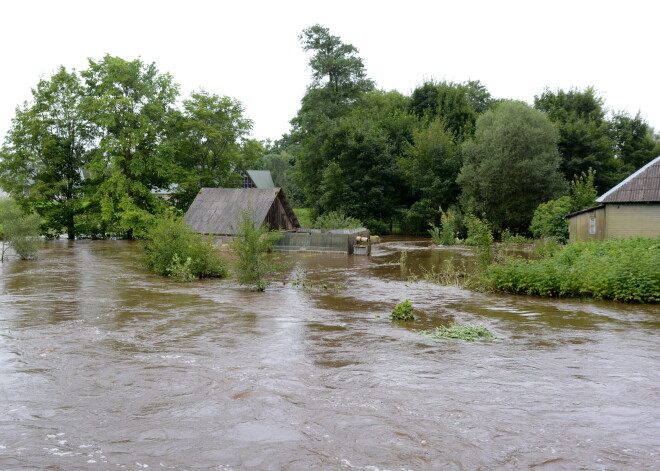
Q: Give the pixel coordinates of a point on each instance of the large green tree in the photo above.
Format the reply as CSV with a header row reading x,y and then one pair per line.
x,y
511,165
454,104
429,167
585,139
130,105
211,143
634,141
362,179
338,80
45,151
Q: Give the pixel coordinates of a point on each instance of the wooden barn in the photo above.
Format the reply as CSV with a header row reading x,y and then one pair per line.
x,y
216,210
630,209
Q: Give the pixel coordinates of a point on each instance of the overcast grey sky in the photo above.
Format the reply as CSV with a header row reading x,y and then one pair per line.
x,y
249,49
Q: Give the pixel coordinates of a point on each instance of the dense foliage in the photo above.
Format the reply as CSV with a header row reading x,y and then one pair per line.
x,y
403,312
511,165
550,218
91,149
618,269
171,249
336,220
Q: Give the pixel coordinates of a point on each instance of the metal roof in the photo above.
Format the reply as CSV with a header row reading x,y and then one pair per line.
x,y
261,178
217,210
643,186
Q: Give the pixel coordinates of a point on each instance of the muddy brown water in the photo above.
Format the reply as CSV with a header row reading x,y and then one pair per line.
x,y
106,366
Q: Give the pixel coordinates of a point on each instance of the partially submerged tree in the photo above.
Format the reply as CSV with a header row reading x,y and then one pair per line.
x,y
129,105
46,150
253,245
171,249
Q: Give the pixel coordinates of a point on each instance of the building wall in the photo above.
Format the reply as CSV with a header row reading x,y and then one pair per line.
x,y
616,221
580,226
633,220
277,217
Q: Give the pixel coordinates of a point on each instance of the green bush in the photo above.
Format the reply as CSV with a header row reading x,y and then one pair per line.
x,y
336,220
550,219
509,238
253,245
480,237
19,230
172,249
619,269
447,234
403,312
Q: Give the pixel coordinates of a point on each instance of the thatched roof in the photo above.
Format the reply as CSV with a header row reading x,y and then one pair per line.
x,y
217,210
643,186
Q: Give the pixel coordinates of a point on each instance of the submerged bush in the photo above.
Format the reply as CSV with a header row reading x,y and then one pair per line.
x,y
172,249
469,332
619,269
403,312
480,237
253,245
18,230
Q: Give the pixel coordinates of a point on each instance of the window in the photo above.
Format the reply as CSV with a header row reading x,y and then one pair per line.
x,y
592,226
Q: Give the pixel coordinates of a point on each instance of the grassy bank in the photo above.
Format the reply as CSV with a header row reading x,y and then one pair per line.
x,y
621,269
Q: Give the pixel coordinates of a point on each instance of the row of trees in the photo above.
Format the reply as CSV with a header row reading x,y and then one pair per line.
x,y
387,157
90,148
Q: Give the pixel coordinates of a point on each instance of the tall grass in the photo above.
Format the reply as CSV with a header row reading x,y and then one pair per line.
x,y
620,269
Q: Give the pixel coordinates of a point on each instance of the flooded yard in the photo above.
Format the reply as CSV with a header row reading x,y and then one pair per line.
x,y
106,366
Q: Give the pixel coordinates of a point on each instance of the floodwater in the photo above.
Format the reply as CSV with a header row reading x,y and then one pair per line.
x,y
106,366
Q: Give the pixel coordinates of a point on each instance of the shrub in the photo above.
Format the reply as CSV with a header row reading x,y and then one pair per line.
x,y
19,231
583,190
448,233
550,219
619,269
253,245
510,238
172,249
403,312
336,220
180,270
480,237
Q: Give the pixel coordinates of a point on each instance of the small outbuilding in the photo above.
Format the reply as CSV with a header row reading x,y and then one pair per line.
x,y
217,210
630,209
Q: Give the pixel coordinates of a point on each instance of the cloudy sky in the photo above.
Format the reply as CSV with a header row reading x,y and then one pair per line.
x,y
249,49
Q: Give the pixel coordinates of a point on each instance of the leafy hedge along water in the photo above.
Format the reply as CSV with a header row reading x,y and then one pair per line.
x,y
620,269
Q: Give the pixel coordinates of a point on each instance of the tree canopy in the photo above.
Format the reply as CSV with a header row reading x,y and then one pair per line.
x,y
92,149
511,166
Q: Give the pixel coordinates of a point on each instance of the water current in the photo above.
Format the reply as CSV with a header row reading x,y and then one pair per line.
x,y
106,366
